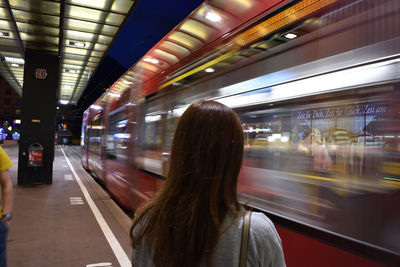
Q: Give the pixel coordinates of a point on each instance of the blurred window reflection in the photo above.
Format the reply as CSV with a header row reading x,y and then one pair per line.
x,y
315,162
118,136
96,134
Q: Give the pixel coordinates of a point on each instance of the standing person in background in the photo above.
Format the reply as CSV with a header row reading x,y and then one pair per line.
x,y
196,220
6,203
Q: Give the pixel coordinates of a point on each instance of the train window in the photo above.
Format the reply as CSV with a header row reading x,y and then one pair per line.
x,y
83,134
153,138
170,125
85,130
96,134
317,162
118,136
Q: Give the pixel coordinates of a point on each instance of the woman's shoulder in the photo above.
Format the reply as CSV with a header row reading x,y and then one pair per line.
x,y
265,246
262,228
260,221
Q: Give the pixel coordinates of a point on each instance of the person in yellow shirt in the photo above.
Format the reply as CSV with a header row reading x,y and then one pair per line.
x,y
6,203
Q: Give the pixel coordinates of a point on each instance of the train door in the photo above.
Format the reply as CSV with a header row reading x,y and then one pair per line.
x,y
116,151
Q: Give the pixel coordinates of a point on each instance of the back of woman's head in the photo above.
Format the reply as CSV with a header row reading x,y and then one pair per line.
x,y
183,222
208,149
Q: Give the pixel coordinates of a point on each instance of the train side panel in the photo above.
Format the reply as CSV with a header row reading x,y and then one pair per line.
x,y
316,85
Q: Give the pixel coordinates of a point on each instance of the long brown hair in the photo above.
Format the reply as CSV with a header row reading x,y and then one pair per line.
x,y
181,226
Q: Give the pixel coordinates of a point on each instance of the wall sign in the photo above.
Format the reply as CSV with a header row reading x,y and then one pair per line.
x,y
40,73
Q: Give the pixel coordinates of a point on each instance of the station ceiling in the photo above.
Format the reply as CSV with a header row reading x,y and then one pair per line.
x,y
80,32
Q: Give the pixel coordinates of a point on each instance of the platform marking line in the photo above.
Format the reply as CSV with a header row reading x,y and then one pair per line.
x,y
76,201
112,240
68,177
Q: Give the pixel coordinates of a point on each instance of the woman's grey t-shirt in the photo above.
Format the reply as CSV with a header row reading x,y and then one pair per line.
x,y
264,247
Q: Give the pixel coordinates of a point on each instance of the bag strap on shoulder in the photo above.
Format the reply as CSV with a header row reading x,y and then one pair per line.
x,y
245,239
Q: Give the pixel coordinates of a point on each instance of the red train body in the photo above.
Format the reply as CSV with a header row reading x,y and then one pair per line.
x,y
316,85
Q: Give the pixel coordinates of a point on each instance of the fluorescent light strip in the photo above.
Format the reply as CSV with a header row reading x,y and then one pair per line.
x,y
14,60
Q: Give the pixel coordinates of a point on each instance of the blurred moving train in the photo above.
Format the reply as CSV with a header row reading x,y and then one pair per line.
x,y
316,86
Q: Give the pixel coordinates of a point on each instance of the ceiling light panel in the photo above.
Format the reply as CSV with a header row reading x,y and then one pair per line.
x,y
75,57
73,67
94,59
121,6
3,13
68,73
42,47
114,19
34,38
97,53
77,35
38,19
100,47
10,54
104,39
109,30
4,25
76,51
71,61
97,4
66,92
42,6
7,42
84,13
37,29
67,80
89,27
79,25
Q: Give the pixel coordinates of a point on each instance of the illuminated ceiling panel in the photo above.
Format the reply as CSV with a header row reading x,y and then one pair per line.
x,y
4,25
34,38
80,32
84,13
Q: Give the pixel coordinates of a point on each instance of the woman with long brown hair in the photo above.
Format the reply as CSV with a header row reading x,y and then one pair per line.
x,y
196,220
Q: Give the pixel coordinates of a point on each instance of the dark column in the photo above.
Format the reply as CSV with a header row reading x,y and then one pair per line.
x,y
39,102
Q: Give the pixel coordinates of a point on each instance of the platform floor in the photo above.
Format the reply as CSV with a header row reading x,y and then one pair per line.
x,y
72,222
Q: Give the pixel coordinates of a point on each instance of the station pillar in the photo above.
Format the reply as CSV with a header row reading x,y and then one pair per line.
x,y
38,119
